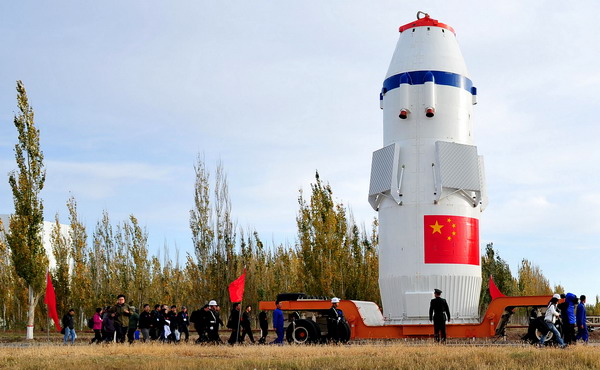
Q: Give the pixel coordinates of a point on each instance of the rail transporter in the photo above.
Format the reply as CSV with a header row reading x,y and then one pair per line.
x,y
364,320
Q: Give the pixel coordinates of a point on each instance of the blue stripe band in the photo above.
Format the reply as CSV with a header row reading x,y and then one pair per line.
x,y
420,77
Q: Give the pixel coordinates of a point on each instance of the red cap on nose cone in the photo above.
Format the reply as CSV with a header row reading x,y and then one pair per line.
x,y
424,22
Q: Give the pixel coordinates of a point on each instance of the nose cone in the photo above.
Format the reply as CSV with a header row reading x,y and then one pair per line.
x,y
427,44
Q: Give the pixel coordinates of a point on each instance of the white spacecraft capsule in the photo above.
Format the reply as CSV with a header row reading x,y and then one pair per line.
x,y
427,182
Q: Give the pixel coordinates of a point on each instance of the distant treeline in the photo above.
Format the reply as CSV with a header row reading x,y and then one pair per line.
x,y
332,256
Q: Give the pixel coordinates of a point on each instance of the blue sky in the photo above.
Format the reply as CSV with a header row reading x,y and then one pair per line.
x,y
126,94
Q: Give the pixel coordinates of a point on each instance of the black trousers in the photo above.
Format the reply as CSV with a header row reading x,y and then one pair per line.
x,y
97,337
439,329
264,331
568,332
121,332
247,330
235,337
130,335
184,330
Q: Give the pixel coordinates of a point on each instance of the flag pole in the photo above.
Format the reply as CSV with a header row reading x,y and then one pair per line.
x,y
238,326
47,312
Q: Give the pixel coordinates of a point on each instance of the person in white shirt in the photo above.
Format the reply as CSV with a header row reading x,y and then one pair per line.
x,y
549,318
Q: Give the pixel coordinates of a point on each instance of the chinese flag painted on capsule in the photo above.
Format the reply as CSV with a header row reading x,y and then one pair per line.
x,y
451,239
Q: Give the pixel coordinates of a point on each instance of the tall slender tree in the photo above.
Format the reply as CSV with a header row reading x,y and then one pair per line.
x,y
26,224
82,286
60,273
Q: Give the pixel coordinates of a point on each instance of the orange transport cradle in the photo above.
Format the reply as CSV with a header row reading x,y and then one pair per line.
x,y
365,324
494,320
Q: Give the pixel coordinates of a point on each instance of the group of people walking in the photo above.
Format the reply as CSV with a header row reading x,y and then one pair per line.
x,y
570,313
165,324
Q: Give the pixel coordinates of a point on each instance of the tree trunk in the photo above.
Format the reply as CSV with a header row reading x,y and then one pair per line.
x,y
33,301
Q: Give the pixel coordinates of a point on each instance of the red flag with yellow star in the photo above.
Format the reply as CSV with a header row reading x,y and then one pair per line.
x,y
451,239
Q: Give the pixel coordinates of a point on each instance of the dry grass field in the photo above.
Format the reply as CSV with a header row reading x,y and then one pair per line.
x,y
388,355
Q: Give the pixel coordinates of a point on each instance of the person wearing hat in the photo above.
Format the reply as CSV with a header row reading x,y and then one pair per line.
x,y
333,320
439,313
213,322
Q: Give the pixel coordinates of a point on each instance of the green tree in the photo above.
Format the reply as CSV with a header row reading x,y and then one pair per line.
x,y
26,224
531,280
493,265
137,243
60,274
83,287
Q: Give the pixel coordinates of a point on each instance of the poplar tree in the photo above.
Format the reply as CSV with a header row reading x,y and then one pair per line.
x,y
83,287
492,264
26,224
60,274
531,280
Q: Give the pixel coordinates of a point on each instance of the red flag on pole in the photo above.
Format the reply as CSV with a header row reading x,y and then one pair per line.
x,y
236,288
50,301
494,291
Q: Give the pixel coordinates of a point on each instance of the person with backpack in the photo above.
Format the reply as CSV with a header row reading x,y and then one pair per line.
x,y
234,323
96,326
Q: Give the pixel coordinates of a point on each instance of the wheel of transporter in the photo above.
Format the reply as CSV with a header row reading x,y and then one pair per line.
x,y
549,336
344,332
302,332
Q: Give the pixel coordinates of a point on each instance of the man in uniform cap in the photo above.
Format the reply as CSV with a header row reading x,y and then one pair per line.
x,y
439,313
333,320
213,322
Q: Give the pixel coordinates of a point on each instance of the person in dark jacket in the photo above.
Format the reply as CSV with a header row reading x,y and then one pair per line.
x,y
581,319
134,319
263,322
199,319
246,325
145,323
69,325
278,321
234,323
213,322
439,313
97,318
108,327
568,317
183,320
155,329
122,313
173,324
333,321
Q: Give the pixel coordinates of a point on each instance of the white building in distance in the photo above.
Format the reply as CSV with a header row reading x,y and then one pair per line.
x,y
47,231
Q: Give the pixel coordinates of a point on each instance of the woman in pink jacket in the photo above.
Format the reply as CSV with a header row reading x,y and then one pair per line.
x,y
97,326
